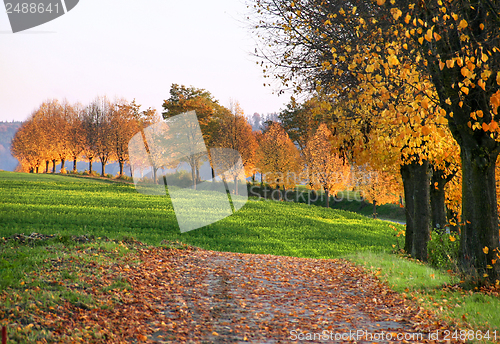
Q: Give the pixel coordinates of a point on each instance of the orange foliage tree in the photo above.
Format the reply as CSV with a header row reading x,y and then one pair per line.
x,y
278,159
326,169
234,132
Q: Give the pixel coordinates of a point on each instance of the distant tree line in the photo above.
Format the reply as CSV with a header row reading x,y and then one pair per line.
x,y
60,131
288,148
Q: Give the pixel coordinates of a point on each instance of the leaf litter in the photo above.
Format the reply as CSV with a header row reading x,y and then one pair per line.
x,y
192,295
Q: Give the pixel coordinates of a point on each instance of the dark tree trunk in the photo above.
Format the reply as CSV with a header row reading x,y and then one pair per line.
x,y
90,165
120,163
479,212
193,175
478,149
327,193
74,164
37,169
374,209
54,165
437,194
62,163
155,171
421,233
47,162
416,182
103,168
408,187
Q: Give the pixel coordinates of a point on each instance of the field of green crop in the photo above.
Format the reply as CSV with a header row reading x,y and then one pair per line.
x,y
71,205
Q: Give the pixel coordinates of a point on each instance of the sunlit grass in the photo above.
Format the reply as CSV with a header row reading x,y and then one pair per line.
x,y
435,290
51,204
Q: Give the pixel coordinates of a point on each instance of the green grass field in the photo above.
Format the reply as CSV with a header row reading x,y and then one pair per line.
x,y
66,205
81,206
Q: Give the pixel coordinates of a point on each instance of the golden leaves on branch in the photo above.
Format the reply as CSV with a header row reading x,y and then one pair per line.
x,y
277,158
326,169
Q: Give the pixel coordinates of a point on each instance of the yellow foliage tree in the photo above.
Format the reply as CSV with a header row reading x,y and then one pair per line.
x,y
327,170
278,159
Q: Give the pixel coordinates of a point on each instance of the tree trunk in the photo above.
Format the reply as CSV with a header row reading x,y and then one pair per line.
x,y
416,182
47,166
62,163
90,165
103,168
37,169
374,209
437,194
327,193
155,170
409,207
479,212
421,233
74,164
54,165
193,175
120,163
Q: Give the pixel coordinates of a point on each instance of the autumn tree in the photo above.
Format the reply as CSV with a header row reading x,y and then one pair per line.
x,y
184,99
234,132
50,117
89,126
327,170
278,159
459,45
355,52
62,122
102,111
124,124
25,146
377,187
47,130
76,134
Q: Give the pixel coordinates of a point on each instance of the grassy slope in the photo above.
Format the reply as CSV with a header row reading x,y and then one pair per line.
x,y
66,205
51,204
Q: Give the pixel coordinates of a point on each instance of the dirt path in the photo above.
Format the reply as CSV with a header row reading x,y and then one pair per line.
x,y
214,297
197,296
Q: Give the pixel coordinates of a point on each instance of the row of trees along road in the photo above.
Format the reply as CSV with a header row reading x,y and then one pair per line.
x,y
415,84
101,131
59,131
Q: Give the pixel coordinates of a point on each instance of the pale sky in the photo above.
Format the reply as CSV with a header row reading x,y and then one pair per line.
x,y
133,49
